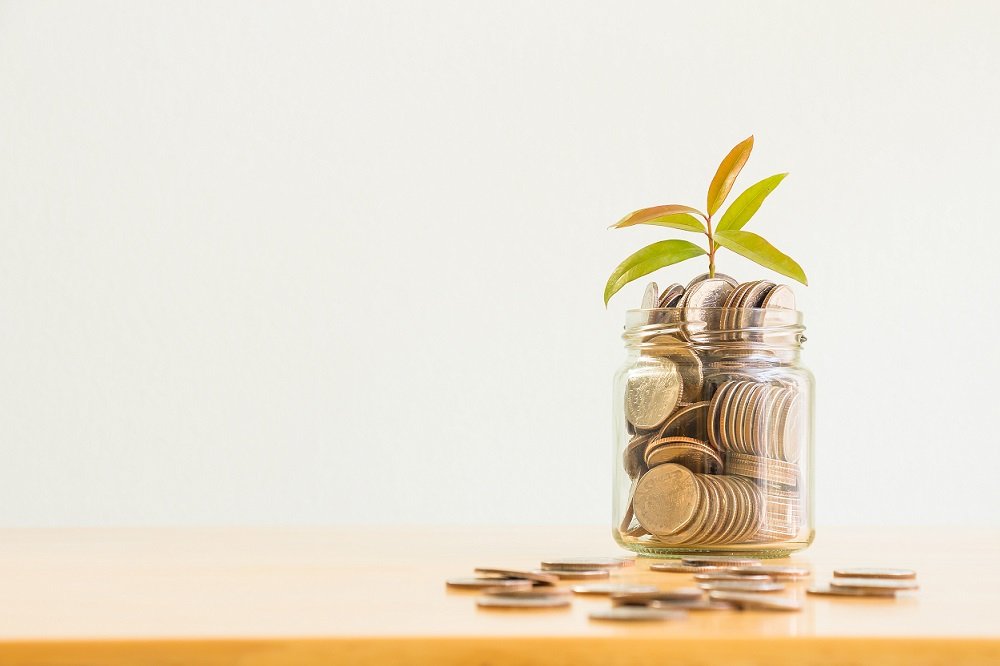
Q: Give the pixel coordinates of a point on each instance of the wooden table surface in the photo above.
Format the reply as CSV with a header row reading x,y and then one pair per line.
x,y
355,596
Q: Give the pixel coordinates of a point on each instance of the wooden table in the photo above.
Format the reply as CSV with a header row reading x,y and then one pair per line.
x,y
357,596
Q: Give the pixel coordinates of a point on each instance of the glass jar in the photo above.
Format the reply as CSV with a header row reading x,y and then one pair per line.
x,y
713,432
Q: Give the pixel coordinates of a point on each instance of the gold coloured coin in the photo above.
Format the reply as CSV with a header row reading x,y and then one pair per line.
x,y
697,456
827,590
721,561
533,593
588,563
687,421
666,499
687,361
635,465
692,605
676,567
718,276
874,572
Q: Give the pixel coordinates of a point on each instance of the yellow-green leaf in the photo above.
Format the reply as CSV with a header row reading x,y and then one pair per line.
x,y
726,175
647,260
679,221
645,215
741,210
756,249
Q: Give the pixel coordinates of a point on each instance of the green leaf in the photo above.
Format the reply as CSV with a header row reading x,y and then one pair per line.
x,y
647,215
756,249
647,260
730,167
741,210
679,221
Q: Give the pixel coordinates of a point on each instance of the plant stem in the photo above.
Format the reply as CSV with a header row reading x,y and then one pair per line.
x,y
711,247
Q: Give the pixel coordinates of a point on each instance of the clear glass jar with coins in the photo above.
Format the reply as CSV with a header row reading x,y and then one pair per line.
x,y
713,414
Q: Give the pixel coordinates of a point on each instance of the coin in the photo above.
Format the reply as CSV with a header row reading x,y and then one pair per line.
x,y
515,602
676,567
650,299
718,276
827,590
643,598
751,600
633,456
578,574
692,605
636,614
542,578
875,583
687,361
695,455
743,586
588,563
534,593
772,570
780,297
713,576
721,560
874,572
666,499
483,583
670,296
612,588
651,393
687,421
765,469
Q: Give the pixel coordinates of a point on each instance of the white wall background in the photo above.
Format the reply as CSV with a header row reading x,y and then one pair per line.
x,y
342,262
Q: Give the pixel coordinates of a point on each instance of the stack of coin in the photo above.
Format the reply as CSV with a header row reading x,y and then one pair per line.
x,y
715,442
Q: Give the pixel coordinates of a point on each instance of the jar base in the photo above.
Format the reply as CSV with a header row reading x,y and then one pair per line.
x,y
762,550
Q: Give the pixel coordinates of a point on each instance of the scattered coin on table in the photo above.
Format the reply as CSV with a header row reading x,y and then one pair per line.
x,y
828,590
874,572
637,614
743,586
480,583
643,598
588,563
900,584
612,588
551,601
542,578
582,574
753,601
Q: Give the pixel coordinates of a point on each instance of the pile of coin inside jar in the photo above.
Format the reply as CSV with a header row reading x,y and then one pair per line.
x,y
719,584
715,434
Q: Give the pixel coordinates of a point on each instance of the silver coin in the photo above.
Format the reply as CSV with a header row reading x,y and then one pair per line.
x,y
780,297
772,570
874,572
644,598
481,583
652,391
636,614
692,605
677,567
612,588
542,578
720,561
516,602
875,583
534,593
750,600
588,563
721,575
718,276
742,586
580,574
828,590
